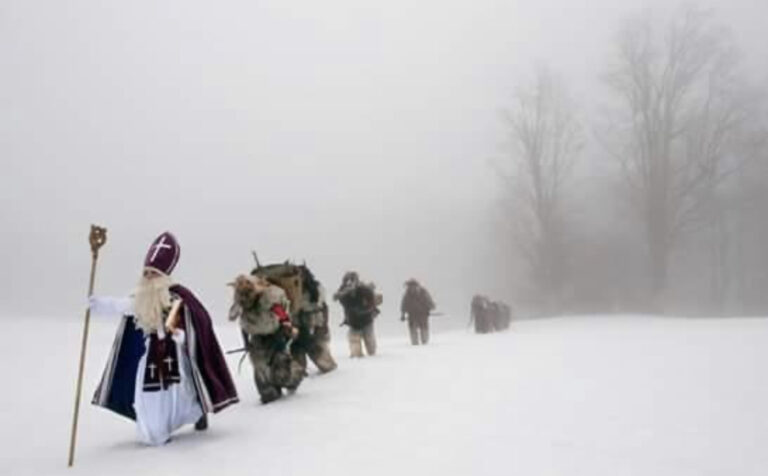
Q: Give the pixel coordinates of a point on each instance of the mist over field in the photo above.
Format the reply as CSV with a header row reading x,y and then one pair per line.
x,y
374,138
601,164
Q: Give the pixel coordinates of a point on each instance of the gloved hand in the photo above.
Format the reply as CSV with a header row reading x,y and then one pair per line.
x,y
288,330
178,335
110,305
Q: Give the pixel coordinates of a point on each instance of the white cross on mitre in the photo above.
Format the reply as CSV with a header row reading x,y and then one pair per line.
x,y
159,246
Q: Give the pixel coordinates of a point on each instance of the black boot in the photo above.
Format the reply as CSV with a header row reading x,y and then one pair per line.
x,y
202,423
270,394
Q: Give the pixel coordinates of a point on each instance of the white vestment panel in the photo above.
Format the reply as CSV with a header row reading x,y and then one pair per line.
x,y
160,412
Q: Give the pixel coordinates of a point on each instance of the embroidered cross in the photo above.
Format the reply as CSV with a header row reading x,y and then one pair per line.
x,y
152,368
159,246
169,361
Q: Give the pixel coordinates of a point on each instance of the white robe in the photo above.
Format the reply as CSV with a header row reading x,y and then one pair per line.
x,y
160,412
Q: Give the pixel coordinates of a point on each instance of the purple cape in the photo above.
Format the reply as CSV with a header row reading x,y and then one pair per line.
x,y
209,358
211,376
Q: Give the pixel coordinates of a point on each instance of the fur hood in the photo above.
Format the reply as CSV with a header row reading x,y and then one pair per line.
x,y
253,302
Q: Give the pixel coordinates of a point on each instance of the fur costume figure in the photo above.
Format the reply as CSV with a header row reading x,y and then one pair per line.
x,y
312,318
360,302
261,308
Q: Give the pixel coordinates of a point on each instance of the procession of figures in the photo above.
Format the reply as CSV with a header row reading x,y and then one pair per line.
x,y
166,368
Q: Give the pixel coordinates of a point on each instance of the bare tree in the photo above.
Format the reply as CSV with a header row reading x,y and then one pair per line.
x,y
748,196
680,115
545,139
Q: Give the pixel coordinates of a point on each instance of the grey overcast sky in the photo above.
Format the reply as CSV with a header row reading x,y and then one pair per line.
x,y
352,134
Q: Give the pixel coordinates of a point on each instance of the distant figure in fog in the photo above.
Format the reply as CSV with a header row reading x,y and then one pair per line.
x,y
480,314
416,305
502,315
360,302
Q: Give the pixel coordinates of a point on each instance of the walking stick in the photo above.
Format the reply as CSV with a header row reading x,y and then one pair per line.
x,y
97,239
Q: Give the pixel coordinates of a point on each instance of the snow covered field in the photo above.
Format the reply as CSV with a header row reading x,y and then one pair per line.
x,y
613,395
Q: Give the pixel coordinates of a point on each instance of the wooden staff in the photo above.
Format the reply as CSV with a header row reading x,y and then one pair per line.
x,y
97,239
172,321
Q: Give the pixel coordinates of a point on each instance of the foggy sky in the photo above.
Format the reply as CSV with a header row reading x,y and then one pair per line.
x,y
349,134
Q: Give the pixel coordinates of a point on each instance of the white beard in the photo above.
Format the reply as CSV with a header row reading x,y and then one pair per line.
x,y
152,298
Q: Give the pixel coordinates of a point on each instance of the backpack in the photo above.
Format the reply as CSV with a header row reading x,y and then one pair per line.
x,y
418,302
359,306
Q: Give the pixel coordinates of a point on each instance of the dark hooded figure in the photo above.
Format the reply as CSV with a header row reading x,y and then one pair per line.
x,y
416,306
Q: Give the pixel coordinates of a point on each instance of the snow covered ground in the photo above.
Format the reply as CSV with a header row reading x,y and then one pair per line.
x,y
613,395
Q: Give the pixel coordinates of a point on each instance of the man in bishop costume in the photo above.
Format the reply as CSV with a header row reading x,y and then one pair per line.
x,y
166,368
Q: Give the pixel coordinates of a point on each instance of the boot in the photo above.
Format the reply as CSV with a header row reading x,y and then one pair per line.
x,y
202,423
270,394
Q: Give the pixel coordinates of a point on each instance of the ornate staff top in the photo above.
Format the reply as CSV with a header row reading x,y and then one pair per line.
x,y
97,238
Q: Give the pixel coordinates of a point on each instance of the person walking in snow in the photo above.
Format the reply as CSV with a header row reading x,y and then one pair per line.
x,y
416,305
480,314
166,368
502,315
360,302
262,310
311,317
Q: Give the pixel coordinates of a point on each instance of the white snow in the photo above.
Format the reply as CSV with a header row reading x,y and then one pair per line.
x,y
613,395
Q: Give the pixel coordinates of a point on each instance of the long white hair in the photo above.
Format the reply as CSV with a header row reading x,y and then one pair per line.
x,y
151,300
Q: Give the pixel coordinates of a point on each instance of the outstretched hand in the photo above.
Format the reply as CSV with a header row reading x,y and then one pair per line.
x,y
109,305
93,303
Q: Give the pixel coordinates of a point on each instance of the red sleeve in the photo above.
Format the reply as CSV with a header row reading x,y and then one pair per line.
x,y
280,313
